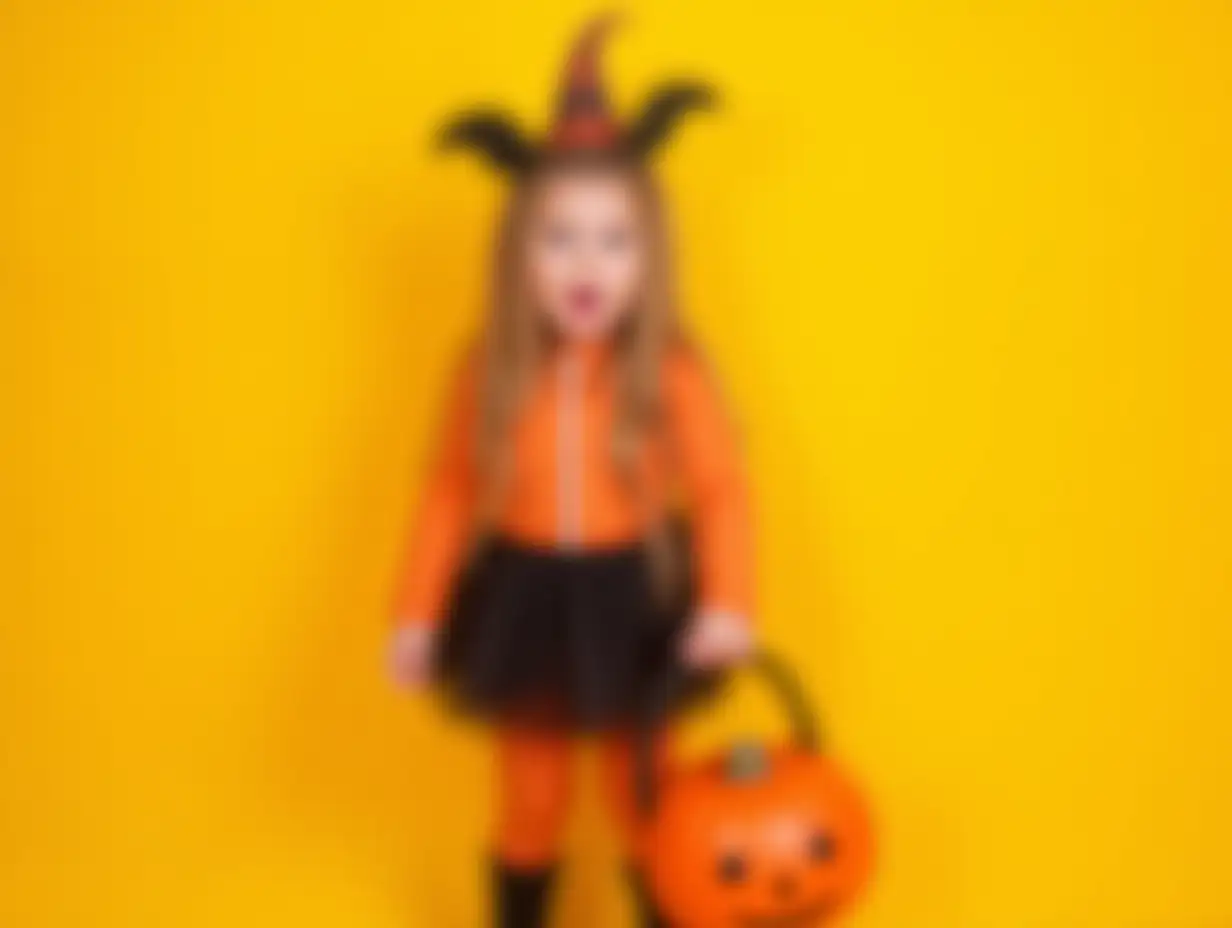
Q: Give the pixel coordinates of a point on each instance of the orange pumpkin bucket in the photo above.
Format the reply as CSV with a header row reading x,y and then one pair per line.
x,y
755,836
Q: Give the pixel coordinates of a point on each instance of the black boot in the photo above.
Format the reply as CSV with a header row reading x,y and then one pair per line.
x,y
522,895
647,912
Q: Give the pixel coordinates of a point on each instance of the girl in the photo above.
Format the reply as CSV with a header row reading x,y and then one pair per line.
x,y
541,586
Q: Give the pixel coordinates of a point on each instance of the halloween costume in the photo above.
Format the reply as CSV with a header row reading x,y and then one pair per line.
x,y
574,630
551,622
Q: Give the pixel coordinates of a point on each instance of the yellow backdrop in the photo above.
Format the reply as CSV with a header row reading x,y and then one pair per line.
x,y
965,267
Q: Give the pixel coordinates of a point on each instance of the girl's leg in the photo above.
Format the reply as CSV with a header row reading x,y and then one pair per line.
x,y
534,780
616,757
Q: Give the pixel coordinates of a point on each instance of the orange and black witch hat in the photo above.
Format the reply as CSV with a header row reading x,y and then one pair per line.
x,y
584,122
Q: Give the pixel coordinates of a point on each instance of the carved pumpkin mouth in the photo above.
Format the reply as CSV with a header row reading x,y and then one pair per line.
x,y
805,917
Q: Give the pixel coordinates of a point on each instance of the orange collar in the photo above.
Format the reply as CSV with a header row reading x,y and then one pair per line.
x,y
592,356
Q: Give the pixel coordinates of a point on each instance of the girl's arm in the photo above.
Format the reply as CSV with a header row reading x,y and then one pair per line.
x,y
442,529
712,471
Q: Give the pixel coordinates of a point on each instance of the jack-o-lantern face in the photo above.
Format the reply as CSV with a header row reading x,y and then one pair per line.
x,y
758,839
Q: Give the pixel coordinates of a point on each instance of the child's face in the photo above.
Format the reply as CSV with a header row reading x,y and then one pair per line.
x,y
586,252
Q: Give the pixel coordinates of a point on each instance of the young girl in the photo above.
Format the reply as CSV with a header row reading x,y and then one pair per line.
x,y
542,585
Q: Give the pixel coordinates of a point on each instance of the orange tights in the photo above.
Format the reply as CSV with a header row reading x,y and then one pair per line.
x,y
535,778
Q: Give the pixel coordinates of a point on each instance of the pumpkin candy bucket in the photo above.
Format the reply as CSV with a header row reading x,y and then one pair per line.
x,y
756,836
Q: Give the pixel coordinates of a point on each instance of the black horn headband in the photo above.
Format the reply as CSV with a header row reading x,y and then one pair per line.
x,y
584,122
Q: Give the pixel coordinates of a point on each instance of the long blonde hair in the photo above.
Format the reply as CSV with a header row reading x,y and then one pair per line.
x,y
515,339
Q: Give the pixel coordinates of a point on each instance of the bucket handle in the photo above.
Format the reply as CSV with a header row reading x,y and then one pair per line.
x,y
666,690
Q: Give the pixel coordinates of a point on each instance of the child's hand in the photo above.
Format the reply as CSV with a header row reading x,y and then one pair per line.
x,y
410,655
716,639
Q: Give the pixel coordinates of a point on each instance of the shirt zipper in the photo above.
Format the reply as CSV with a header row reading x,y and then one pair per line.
x,y
569,452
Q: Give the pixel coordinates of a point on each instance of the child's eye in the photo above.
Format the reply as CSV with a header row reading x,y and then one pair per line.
x,y
616,240
560,236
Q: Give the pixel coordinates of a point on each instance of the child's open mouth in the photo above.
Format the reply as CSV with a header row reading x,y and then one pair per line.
x,y
584,299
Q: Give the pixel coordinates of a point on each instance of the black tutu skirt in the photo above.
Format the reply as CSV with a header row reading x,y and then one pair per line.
x,y
567,639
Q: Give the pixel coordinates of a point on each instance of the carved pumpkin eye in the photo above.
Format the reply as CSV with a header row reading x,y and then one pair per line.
x,y
732,869
820,847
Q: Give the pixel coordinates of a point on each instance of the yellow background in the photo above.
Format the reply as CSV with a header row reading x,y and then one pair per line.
x,y
965,267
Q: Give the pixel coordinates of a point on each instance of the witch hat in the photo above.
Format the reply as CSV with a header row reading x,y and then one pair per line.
x,y
584,119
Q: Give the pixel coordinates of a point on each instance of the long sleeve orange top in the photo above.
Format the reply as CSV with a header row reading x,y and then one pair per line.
x,y
564,490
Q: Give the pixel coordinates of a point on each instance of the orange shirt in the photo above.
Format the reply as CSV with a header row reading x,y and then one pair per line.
x,y
564,489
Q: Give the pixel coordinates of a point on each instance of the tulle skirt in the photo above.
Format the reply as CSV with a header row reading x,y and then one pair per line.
x,y
571,639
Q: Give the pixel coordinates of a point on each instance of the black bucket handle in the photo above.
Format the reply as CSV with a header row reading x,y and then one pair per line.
x,y
671,685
